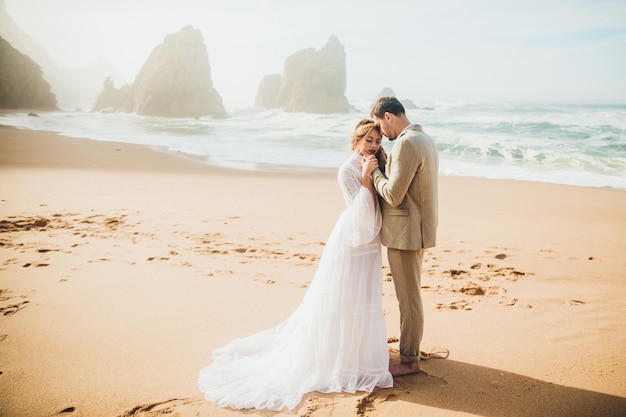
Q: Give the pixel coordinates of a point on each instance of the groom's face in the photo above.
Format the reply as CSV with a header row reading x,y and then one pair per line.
x,y
385,125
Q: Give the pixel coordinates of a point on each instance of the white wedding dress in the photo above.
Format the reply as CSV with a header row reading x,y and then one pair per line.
x,y
335,340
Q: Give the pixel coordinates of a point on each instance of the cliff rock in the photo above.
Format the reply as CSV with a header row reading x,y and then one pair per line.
x,y
73,87
112,99
313,81
175,81
388,92
267,94
21,81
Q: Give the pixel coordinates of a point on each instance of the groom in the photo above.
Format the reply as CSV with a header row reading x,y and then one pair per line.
x,y
409,192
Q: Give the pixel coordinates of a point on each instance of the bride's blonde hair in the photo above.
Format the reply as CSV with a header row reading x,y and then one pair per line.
x,y
361,130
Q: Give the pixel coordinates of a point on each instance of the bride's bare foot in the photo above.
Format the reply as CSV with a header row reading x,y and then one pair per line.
x,y
404,368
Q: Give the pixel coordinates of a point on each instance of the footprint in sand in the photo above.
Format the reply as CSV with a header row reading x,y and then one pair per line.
x,y
509,273
46,250
35,264
455,305
473,289
98,260
506,301
23,224
304,256
13,308
8,261
576,302
174,406
457,273
369,402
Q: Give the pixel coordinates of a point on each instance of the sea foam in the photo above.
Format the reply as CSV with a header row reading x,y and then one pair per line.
x,y
568,144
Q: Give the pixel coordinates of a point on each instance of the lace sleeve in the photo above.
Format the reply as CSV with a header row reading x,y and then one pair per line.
x,y
363,213
349,182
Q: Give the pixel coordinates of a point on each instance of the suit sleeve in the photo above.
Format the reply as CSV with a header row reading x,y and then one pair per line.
x,y
402,166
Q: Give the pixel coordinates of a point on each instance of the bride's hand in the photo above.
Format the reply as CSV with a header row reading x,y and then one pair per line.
x,y
368,164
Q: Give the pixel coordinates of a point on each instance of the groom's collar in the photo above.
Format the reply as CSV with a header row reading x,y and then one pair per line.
x,y
414,126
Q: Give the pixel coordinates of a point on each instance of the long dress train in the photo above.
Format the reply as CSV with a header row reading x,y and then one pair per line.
x,y
335,340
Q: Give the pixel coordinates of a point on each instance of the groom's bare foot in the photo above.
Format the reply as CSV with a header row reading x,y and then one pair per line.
x,y
404,368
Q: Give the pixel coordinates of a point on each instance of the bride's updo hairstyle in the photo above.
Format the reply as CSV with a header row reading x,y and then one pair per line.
x,y
361,130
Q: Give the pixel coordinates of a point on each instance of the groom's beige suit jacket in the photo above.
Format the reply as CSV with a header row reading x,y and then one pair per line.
x,y
409,191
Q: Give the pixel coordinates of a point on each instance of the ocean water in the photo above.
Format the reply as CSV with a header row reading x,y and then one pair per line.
x,y
581,145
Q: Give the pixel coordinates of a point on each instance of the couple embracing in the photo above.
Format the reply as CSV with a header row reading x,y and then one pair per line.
x,y
336,340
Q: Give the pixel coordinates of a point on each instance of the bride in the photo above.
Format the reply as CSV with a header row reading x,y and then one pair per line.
x,y
336,339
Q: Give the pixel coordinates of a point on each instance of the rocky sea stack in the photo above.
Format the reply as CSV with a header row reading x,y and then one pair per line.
x,y
313,81
175,81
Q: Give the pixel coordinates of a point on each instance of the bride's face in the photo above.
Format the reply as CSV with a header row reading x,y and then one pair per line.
x,y
370,143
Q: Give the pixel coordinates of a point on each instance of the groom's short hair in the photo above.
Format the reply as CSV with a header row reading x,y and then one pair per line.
x,y
387,104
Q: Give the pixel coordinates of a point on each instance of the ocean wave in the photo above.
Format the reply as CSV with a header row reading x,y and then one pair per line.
x,y
580,145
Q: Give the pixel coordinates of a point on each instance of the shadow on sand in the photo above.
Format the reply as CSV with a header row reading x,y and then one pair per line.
x,y
445,385
458,386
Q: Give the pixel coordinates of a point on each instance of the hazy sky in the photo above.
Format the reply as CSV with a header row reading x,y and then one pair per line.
x,y
425,50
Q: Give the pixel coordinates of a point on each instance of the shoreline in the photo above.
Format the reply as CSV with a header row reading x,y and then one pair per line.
x,y
268,169
555,164
124,267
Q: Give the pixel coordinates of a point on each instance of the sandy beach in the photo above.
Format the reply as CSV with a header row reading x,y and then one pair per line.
x,y
122,268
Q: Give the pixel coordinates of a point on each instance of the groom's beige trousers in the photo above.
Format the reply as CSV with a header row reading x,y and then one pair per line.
x,y
406,268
